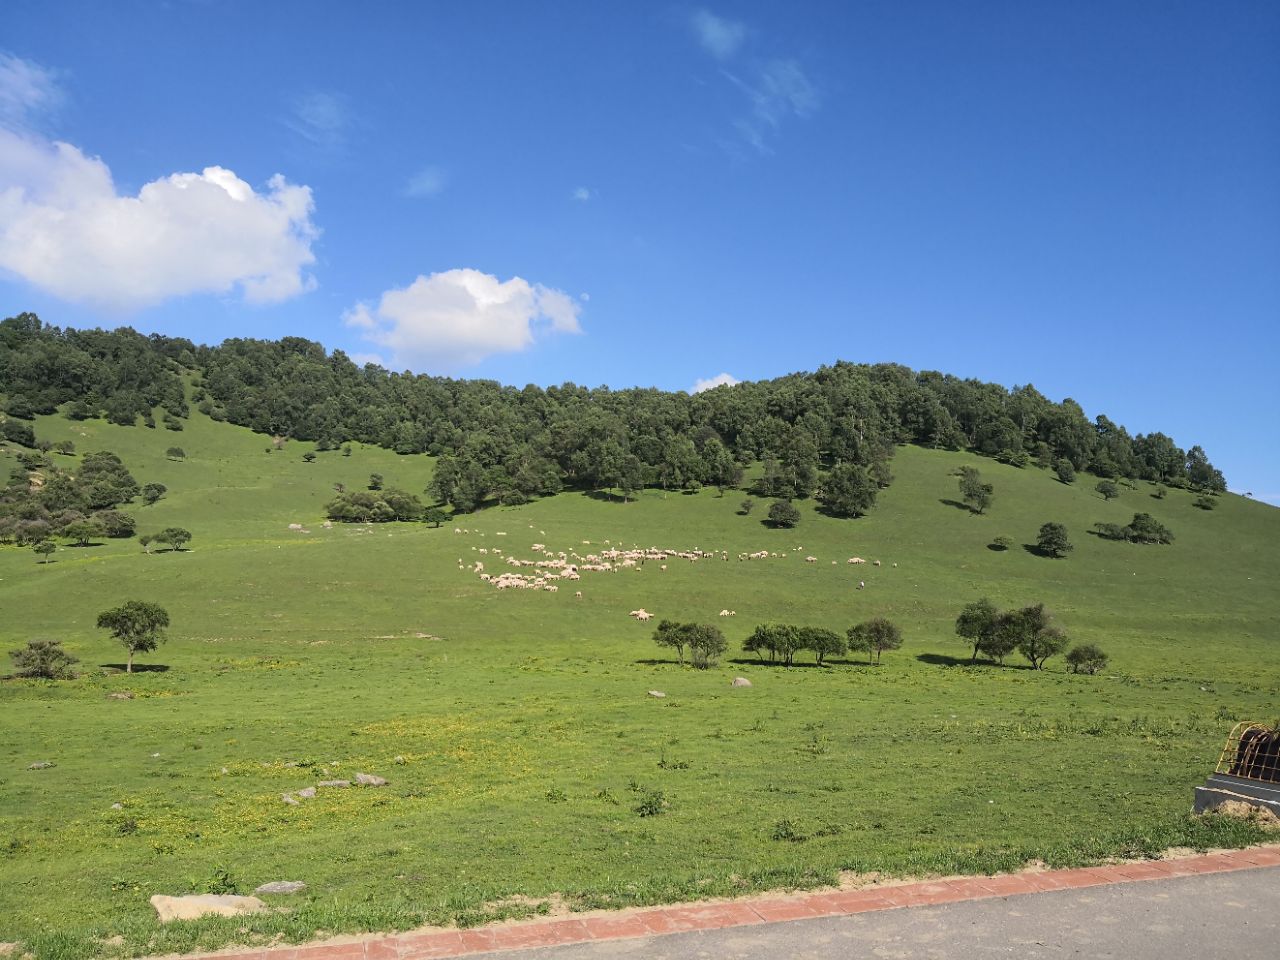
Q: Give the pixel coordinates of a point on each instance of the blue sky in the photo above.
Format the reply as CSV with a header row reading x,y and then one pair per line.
x,y
1084,196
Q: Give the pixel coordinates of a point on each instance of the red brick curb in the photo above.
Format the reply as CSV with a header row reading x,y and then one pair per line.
x,y
711,916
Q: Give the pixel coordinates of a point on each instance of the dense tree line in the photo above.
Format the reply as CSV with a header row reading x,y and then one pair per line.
x,y
828,434
41,500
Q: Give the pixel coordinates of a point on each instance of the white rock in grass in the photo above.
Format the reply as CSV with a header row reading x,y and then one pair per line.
x,y
306,793
656,693
369,780
741,682
194,906
282,886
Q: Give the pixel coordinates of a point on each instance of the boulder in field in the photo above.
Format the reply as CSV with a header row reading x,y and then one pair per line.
x,y
196,905
41,765
282,886
306,793
369,780
656,693
334,783
741,682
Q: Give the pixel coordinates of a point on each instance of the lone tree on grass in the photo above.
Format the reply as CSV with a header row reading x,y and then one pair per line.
x,y
176,453
1065,471
976,494
435,516
175,538
152,492
875,636
783,513
745,506
43,549
1087,658
138,625
706,644
1052,540
670,634
43,660
1108,489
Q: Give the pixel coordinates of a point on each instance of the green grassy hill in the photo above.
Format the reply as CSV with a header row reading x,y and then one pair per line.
x,y
515,728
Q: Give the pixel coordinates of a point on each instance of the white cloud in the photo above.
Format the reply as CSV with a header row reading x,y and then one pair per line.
x,y
719,380
65,229
459,317
321,118
361,359
26,89
583,194
719,37
427,182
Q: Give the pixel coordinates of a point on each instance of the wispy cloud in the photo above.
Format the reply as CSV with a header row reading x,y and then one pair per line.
x,y
778,90
719,36
710,383
583,194
27,91
427,182
320,118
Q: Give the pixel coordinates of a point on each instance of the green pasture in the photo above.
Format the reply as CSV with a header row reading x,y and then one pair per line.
x,y
515,727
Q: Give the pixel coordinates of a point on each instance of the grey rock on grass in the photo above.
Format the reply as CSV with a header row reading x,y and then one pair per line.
x,y
369,780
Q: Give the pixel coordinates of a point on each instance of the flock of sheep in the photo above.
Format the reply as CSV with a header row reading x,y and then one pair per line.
x,y
553,566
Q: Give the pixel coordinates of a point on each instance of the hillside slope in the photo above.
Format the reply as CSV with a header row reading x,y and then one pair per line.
x,y
514,725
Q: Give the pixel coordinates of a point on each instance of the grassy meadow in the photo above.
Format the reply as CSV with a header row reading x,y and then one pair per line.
x,y
515,727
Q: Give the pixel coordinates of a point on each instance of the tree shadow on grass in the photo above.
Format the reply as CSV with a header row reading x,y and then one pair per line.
x,y
604,496
946,660
797,665
958,505
1037,551
657,663
137,667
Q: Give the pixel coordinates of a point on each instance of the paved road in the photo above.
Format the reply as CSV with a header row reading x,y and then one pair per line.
x,y
1226,915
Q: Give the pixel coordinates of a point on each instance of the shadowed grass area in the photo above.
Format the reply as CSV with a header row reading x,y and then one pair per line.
x,y
514,726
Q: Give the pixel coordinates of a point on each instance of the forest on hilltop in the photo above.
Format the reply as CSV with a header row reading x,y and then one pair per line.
x,y
829,433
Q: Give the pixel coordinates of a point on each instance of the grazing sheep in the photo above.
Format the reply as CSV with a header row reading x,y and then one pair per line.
x,y
295,526
578,595
810,559
876,562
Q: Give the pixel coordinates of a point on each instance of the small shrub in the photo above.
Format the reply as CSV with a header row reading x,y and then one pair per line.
x,y
556,795
783,513
1002,543
1086,658
1206,503
43,660
652,803
786,831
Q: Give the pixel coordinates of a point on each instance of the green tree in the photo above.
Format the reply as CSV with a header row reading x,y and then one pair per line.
x,y
138,625
1205,502
43,660
152,492
745,506
706,644
779,640
1002,543
309,457
783,513
65,447
1086,658
1033,633
375,481
173,537
822,643
1065,471
82,531
976,494
1108,489
875,636
1052,540
849,490
44,549
176,453
672,635
435,516
978,623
